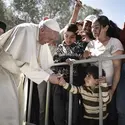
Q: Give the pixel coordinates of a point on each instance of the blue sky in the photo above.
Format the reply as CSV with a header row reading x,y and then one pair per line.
x,y
113,9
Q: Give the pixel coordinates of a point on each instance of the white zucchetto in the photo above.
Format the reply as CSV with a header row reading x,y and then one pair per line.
x,y
50,23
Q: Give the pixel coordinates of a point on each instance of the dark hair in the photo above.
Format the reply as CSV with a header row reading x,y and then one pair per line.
x,y
79,22
3,26
73,28
94,71
113,30
90,35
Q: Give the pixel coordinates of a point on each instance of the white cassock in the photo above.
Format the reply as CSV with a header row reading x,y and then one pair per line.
x,y
20,53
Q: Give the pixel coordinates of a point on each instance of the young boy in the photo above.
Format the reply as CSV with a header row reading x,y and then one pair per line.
x,y
70,48
90,95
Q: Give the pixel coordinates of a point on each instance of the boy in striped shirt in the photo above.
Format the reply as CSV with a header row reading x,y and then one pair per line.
x,y
90,95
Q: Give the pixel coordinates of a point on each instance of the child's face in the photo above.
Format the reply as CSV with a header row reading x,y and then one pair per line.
x,y
90,81
69,37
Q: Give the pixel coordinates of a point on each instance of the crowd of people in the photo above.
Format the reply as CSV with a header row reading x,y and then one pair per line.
x,y
26,51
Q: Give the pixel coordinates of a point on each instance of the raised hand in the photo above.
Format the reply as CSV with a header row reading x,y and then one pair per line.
x,y
86,54
78,4
102,80
70,61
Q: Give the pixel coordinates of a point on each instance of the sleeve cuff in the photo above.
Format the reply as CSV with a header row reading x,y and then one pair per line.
x,y
46,78
65,86
49,71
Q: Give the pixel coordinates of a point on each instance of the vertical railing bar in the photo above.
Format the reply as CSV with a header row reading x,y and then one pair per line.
x,y
70,97
47,104
100,94
30,101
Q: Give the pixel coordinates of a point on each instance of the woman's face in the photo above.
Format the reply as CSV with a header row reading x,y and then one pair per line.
x,y
85,37
96,28
98,31
69,37
87,26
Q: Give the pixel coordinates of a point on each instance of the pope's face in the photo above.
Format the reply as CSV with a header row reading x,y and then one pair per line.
x,y
47,35
1,31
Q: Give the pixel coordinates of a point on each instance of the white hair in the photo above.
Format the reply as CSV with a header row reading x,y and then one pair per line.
x,y
50,23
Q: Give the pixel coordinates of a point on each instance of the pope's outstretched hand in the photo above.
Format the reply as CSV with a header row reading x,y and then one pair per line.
x,y
54,78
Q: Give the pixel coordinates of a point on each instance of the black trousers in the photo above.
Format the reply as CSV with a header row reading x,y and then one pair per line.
x,y
60,107
93,122
34,116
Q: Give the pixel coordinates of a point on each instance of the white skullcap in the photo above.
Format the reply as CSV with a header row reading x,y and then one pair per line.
x,y
90,18
50,23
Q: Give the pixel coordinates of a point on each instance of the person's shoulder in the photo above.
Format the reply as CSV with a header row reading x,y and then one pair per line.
x,y
115,41
112,39
91,43
26,25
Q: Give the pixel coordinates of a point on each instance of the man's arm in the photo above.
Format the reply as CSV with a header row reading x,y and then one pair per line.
x,y
39,75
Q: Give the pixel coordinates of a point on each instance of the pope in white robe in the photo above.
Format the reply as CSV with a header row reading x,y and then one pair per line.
x,y
24,50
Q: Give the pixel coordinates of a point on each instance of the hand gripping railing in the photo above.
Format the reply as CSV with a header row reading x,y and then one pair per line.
x,y
98,59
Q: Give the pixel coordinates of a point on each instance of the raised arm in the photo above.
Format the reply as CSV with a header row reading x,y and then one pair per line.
x,y
75,13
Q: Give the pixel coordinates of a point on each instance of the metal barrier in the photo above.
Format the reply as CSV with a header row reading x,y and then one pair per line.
x,y
98,59
47,104
29,103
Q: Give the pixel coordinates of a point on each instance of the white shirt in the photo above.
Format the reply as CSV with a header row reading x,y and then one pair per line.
x,y
97,48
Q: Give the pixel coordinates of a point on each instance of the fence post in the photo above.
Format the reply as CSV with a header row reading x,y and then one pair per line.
x,y
70,97
47,104
30,101
100,94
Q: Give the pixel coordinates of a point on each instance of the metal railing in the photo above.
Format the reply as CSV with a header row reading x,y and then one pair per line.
x,y
98,59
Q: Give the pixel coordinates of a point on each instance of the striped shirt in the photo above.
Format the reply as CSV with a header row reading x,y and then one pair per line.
x,y
91,99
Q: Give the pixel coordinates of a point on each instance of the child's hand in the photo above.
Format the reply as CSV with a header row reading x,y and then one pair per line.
x,y
70,61
62,82
110,94
86,54
78,4
102,80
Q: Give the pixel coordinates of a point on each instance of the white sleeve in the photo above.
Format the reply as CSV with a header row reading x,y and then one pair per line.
x,y
49,71
89,45
36,76
87,48
116,45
